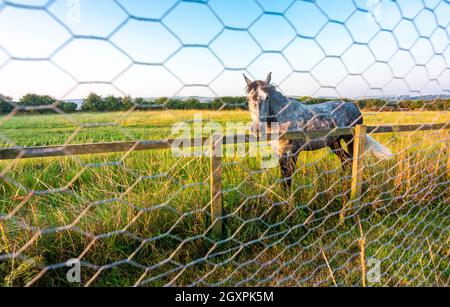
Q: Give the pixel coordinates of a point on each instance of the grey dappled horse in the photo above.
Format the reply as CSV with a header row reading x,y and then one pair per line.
x,y
267,106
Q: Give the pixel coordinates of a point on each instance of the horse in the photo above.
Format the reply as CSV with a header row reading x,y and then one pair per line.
x,y
268,105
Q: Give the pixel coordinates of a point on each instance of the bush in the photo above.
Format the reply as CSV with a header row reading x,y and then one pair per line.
x,y
67,107
144,105
113,104
371,104
5,107
126,103
439,104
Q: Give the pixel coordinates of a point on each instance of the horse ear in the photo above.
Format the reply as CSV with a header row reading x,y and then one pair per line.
x,y
269,78
247,80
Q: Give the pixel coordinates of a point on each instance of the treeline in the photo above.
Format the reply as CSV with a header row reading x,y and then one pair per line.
x,y
377,105
95,103
33,103
438,104
222,103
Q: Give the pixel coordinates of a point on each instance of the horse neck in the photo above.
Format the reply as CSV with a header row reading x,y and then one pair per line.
x,y
280,104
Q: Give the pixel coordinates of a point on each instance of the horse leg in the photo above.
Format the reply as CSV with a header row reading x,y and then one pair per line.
x,y
288,163
344,156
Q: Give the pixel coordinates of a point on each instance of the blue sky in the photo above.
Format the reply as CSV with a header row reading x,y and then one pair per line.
x,y
352,48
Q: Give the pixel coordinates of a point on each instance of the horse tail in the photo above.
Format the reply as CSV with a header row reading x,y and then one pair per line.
x,y
379,150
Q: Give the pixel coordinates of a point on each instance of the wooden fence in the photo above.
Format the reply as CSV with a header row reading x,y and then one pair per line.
x,y
216,143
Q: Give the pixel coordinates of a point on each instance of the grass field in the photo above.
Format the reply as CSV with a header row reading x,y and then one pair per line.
x,y
142,217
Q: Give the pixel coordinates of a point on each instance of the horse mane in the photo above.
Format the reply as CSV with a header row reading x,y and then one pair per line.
x,y
271,89
254,86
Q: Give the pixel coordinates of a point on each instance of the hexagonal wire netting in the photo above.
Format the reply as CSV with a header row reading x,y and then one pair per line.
x,y
143,217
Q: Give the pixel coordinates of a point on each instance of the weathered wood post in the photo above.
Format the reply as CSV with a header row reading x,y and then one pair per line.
x,y
216,183
448,156
358,167
358,163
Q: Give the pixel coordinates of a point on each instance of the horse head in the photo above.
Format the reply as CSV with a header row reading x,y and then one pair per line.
x,y
258,96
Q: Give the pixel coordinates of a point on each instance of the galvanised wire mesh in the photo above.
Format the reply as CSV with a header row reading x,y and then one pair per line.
x,y
142,218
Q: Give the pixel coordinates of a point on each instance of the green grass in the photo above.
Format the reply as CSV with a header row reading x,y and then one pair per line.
x,y
102,208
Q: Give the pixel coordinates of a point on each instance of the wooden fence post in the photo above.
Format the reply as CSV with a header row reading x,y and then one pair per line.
x,y
448,156
216,184
358,167
358,162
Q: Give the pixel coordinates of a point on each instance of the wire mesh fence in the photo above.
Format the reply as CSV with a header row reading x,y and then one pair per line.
x,y
134,212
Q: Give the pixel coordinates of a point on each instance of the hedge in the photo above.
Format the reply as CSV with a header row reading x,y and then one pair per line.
x,y
222,103
96,103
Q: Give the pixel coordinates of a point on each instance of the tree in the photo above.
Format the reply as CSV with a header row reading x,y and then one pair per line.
x,y
92,103
127,103
5,105
67,107
111,103
35,101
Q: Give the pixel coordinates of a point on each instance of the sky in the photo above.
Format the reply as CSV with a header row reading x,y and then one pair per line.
x,y
152,48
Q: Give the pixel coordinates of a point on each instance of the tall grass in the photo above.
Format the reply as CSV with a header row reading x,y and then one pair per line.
x,y
144,217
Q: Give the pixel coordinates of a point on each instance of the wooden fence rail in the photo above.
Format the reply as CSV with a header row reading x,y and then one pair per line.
x,y
216,143
116,147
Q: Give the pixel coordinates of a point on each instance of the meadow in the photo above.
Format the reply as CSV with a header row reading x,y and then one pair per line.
x,y
143,217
